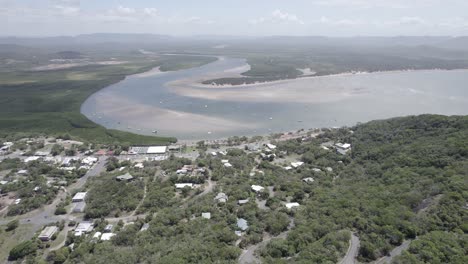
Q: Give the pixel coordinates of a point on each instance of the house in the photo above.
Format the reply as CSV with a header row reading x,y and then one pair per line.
x,y
242,224
23,172
308,180
213,153
287,168
228,165
37,188
108,228
343,146
181,171
297,164
83,228
241,202
41,153
224,161
89,161
79,197
17,201
126,177
107,236
291,205
174,147
48,233
139,165
3,182
79,207
32,158
121,168
316,170
97,235
157,150
271,146
206,215
221,198
257,188
329,169
224,153
144,227
183,185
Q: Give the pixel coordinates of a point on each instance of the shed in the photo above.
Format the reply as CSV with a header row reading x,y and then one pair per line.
x,y
47,233
126,177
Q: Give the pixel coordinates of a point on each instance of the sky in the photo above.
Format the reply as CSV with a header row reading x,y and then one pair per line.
x,y
235,17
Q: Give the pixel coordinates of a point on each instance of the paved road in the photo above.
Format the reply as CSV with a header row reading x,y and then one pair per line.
x,y
395,252
350,257
248,255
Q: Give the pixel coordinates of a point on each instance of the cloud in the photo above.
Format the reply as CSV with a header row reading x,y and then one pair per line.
x,y
278,16
340,22
150,11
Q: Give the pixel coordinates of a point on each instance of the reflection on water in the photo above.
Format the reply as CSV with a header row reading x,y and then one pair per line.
x,y
142,104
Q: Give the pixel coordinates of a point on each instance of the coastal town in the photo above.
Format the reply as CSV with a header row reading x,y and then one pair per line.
x,y
47,183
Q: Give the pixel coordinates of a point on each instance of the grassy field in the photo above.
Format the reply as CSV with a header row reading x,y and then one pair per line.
x,y
10,239
48,102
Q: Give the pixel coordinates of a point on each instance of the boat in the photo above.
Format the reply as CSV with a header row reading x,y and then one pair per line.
x,y
155,131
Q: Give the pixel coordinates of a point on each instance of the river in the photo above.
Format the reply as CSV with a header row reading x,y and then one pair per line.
x,y
173,104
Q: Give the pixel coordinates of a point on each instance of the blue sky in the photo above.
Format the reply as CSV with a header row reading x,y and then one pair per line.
x,y
235,17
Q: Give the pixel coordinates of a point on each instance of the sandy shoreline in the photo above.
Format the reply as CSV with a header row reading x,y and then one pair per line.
x,y
198,83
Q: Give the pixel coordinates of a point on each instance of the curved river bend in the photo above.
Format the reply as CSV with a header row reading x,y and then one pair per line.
x,y
175,105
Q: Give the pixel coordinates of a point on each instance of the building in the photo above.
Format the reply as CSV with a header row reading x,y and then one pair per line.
x,y
291,205
126,177
329,169
89,161
157,150
79,197
241,202
206,215
79,207
297,164
308,180
41,153
242,224
83,228
228,165
107,236
271,146
221,198
183,185
139,165
32,158
144,227
257,188
316,170
48,233
23,172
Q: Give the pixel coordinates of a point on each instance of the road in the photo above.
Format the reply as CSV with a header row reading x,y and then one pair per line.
x,y
395,252
248,255
350,257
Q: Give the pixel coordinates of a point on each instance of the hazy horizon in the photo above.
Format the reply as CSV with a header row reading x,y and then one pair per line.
x,y
333,18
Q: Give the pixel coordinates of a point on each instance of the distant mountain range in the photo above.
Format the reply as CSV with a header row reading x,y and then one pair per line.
x,y
100,38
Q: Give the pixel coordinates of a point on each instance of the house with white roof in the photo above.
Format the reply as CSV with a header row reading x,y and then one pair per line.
x,y
257,188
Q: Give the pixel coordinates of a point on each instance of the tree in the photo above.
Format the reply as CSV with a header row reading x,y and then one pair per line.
x,y
12,225
22,250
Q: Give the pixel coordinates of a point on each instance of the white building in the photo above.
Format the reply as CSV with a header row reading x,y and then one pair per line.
x,y
79,197
297,164
89,161
221,198
257,188
48,233
32,158
206,215
271,146
83,228
157,150
107,236
308,180
291,205
183,185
